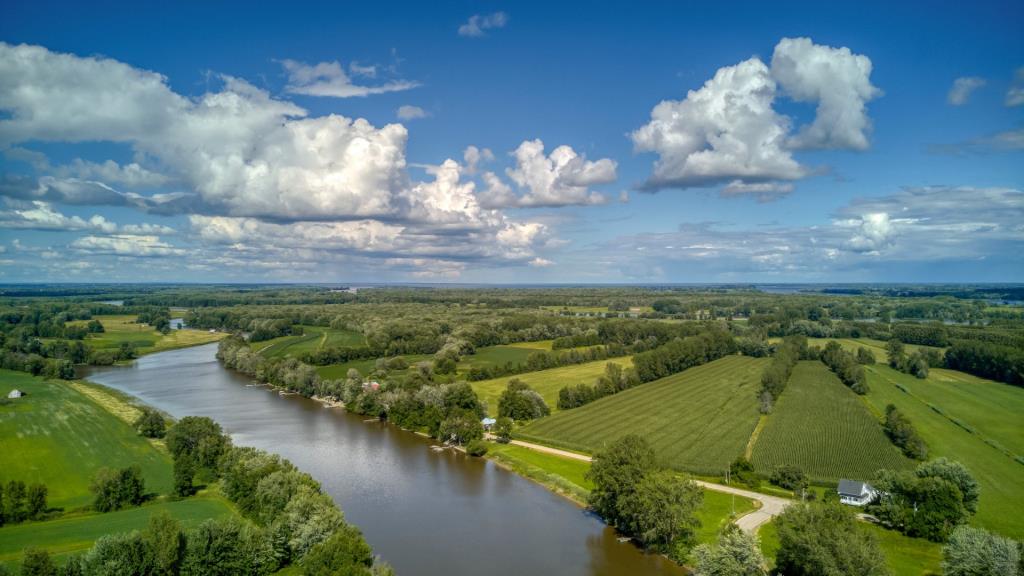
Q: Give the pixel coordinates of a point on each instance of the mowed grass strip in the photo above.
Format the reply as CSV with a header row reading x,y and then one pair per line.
x,y
698,420
65,536
821,426
1000,507
547,382
59,436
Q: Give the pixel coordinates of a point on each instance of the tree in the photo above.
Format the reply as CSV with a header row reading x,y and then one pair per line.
x,y
503,429
865,356
895,353
36,498
461,428
151,424
976,552
117,554
167,542
742,471
37,562
661,512
736,554
196,444
311,518
476,448
616,472
345,552
116,489
520,402
956,474
825,540
15,505
789,477
225,547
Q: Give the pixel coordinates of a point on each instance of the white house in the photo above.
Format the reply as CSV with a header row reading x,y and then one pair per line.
x,y
856,493
16,393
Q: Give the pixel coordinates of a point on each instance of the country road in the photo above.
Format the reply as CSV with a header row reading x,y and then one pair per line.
x,y
771,506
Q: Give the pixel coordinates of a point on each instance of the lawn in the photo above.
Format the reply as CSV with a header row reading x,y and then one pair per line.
x,y
496,356
74,534
821,426
555,471
60,434
122,328
985,407
905,556
698,421
547,382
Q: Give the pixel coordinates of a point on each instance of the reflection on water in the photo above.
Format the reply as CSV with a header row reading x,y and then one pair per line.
x,y
425,512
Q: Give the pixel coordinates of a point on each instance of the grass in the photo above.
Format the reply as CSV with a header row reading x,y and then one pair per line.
x,y
821,426
547,382
876,347
905,556
566,476
496,356
699,420
313,338
60,436
982,406
74,534
120,328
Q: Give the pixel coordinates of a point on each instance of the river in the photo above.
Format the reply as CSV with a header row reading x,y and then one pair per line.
x,y
425,512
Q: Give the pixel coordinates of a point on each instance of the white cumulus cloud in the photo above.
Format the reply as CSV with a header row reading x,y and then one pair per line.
x,y
478,24
962,89
330,79
408,112
561,178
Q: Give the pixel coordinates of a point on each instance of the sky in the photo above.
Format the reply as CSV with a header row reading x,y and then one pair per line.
x,y
475,142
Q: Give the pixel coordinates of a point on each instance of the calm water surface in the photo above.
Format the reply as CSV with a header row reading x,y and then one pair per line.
x,y
425,512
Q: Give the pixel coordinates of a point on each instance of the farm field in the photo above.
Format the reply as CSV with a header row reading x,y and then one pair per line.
x,y
500,355
60,434
122,328
1000,508
713,514
876,347
821,426
313,338
547,382
65,536
699,420
905,556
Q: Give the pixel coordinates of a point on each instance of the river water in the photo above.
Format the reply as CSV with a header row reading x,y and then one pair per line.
x,y
425,512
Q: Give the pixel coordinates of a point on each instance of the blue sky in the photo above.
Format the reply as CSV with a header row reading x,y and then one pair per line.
x,y
222,142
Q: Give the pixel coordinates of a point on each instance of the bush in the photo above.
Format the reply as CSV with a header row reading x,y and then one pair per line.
x,y
503,429
789,477
151,424
476,448
37,562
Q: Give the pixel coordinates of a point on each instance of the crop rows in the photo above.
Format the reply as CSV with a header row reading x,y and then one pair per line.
x,y
698,420
822,427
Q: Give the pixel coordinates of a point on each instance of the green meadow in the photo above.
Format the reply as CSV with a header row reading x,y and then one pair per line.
x,y
76,533
699,420
60,434
547,382
972,420
313,338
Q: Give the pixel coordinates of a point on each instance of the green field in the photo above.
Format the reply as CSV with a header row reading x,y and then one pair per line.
x,y
876,347
60,434
550,469
547,382
122,328
905,556
73,534
699,420
821,426
500,355
987,408
313,338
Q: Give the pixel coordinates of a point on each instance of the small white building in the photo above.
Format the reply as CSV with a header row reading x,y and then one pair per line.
x,y
15,393
488,423
856,493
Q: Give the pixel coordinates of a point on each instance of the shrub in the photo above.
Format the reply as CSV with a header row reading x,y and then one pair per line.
x,y
476,448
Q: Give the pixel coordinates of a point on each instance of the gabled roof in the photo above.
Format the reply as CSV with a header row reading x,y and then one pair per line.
x,y
853,488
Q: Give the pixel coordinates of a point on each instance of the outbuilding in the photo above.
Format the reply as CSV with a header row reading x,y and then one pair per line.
x,y
856,493
488,423
15,393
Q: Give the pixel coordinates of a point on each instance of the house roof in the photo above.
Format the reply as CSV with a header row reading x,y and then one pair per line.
x,y
487,421
853,488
